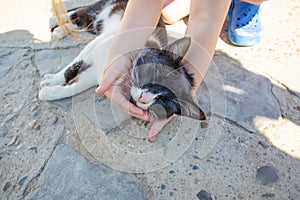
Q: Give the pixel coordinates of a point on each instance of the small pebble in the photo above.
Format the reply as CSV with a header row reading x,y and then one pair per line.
x,y
33,149
196,157
33,108
195,167
297,108
163,186
22,181
204,124
6,186
263,144
37,127
12,141
32,123
6,93
34,114
239,140
171,194
171,172
266,175
54,120
268,195
10,117
203,195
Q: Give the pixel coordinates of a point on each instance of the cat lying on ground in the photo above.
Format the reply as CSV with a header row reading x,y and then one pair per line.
x,y
158,81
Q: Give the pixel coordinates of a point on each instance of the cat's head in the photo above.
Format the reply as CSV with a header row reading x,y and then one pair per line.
x,y
161,85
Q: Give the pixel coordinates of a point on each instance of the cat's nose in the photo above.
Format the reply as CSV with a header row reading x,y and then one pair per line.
x,y
145,98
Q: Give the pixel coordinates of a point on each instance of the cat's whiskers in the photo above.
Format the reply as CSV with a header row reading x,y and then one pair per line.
x,y
152,115
158,71
135,78
170,73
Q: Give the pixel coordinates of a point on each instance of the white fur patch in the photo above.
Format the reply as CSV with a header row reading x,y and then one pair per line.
x,y
136,93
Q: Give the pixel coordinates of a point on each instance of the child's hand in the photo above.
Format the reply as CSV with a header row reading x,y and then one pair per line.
x,y
111,86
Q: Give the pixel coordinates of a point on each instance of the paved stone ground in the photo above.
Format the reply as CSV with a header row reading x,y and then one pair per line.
x,y
84,148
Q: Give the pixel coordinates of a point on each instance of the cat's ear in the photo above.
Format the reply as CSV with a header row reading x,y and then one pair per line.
x,y
190,109
178,48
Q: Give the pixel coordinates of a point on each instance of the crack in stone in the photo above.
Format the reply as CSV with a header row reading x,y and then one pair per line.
x,y
293,93
36,49
30,188
277,100
234,123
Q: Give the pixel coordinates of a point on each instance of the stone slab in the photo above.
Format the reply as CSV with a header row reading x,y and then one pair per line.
x,y
69,176
238,94
51,61
9,58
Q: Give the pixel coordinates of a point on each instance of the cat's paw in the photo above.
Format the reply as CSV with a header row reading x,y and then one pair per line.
x,y
53,23
47,94
56,31
60,32
57,34
47,80
52,80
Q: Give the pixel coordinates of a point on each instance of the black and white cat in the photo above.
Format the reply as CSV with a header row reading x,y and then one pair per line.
x,y
159,82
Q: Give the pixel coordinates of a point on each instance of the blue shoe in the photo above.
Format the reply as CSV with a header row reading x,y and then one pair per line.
x,y
244,27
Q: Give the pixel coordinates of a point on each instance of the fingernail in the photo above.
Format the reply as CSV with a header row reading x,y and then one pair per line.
x,y
98,89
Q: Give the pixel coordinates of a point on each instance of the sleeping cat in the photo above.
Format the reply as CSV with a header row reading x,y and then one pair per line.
x,y
159,82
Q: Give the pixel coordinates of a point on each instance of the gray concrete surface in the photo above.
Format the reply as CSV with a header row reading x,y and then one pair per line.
x,y
75,177
249,148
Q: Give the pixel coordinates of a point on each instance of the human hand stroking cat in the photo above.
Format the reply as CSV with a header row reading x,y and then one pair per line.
x,y
112,85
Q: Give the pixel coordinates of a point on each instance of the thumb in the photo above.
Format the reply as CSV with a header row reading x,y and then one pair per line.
x,y
107,80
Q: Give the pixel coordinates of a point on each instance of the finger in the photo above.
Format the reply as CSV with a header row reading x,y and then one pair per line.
x,y
109,76
121,102
108,79
138,112
112,73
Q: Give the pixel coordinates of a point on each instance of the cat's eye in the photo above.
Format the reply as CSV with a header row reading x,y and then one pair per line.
x,y
150,85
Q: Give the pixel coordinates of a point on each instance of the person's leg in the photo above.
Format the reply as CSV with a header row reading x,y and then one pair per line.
x,y
257,2
204,26
245,27
175,10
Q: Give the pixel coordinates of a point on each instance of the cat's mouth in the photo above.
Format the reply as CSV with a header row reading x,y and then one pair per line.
x,y
142,98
